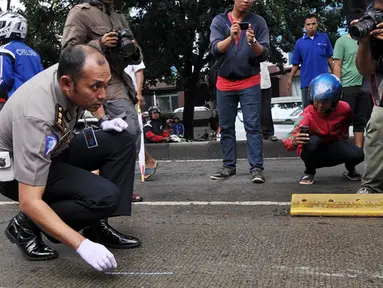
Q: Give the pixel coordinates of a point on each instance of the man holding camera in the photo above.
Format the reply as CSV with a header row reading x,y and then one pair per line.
x,y
320,133
241,41
369,32
345,69
97,23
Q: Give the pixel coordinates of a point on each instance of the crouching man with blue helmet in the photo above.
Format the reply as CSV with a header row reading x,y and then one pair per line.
x,y
320,133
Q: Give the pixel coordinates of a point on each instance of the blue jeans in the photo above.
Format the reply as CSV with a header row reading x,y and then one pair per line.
x,y
227,102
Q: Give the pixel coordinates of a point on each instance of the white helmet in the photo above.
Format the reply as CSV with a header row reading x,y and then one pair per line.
x,y
13,26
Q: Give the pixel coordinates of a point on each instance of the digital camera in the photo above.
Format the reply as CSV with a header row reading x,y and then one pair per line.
x,y
125,43
366,24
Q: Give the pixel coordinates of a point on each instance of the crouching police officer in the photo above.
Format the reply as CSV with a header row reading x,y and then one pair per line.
x,y
320,133
56,191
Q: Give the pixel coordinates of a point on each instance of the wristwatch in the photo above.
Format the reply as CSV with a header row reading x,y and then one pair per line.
x,y
103,119
254,41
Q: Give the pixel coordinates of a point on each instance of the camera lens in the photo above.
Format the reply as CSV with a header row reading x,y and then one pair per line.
x,y
361,29
127,46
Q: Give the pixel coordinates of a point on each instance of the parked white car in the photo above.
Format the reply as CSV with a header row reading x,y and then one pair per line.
x,y
202,115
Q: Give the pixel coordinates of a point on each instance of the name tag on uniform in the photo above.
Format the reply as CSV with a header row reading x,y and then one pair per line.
x,y
90,137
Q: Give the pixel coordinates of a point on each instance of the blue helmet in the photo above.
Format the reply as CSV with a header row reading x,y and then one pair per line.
x,y
325,87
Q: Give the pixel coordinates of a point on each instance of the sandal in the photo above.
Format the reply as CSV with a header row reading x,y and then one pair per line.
x,y
136,198
308,178
149,172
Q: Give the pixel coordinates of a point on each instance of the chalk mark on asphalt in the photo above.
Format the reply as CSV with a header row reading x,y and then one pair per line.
x,y
348,273
141,273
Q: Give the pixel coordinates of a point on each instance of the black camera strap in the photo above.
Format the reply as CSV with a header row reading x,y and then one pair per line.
x,y
374,86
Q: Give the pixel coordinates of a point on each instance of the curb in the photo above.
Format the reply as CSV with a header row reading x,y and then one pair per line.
x,y
209,150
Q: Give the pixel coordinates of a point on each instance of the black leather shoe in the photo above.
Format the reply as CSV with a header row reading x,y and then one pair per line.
x,y
27,236
103,233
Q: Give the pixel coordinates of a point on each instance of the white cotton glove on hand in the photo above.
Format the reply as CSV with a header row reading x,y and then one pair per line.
x,y
116,124
96,255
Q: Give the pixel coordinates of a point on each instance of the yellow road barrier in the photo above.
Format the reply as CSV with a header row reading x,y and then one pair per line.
x,y
349,205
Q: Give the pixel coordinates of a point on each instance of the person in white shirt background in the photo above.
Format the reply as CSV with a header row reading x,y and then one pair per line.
x,y
267,125
136,73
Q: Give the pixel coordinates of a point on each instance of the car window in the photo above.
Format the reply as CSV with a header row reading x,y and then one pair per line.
x,y
286,112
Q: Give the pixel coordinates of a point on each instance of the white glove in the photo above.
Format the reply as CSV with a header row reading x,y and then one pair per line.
x,y
116,124
96,255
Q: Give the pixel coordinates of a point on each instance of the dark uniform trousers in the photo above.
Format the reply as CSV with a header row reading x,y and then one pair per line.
x,y
80,197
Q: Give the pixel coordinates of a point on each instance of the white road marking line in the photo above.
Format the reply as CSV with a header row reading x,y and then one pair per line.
x,y
220,160
197,203
349,273
8,203
213,203
140,273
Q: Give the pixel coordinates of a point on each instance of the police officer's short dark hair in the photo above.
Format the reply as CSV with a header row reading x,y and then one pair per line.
x,y
72,60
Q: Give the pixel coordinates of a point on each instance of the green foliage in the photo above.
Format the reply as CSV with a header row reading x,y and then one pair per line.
x,y
45,25
167,29
174,34
285,19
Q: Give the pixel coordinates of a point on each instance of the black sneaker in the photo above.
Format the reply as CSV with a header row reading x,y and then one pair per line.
x,y
352,175
224,173
257,176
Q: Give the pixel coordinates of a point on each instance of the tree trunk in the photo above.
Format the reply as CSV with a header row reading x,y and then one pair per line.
x,y
188,115
190,89
8,5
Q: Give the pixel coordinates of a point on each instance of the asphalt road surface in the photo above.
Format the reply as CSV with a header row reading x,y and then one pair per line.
x,y
200,233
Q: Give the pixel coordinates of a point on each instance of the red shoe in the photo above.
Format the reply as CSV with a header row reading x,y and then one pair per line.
x,y
137,198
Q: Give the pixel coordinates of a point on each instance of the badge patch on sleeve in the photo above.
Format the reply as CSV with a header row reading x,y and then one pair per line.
x,y
50,144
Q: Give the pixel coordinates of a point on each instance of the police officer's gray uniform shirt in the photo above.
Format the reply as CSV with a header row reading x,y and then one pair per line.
x,y
33,128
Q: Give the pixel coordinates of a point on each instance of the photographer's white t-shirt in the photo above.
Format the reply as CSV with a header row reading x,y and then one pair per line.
x,y
131,71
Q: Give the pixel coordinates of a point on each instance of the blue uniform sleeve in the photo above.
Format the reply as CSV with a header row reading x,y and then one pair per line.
x,y
296,59
6,74
330,50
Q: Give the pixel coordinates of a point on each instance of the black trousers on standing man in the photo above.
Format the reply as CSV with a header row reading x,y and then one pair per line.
x,y
267,124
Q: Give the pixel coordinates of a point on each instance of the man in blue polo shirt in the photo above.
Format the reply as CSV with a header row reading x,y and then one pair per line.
x,y
314,53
